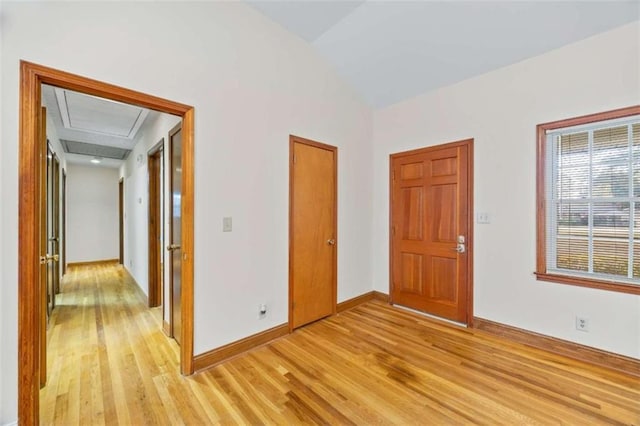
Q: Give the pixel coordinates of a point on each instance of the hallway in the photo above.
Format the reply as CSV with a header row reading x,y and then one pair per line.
x,y
110,363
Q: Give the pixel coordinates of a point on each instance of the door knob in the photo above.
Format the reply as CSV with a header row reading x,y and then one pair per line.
x,y
172,247
460,248
331,241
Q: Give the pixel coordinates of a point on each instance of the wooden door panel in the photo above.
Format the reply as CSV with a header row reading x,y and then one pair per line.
x,y
411,275
443,272
412,171
412,208
444,166
313,232
429,211
443,213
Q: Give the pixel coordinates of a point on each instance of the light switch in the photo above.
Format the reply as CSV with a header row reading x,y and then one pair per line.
x,y
226,224
483,217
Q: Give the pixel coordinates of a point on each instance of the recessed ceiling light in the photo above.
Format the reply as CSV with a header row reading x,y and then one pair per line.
x,y
96,160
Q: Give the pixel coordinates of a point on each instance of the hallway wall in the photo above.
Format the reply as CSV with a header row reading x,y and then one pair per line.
x,y
92,213
136,189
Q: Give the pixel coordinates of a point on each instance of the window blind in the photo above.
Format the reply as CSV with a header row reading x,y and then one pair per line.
x,y
593,200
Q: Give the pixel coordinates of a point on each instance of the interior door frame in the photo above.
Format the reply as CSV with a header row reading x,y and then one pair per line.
x,y
155,187
334,286
32,76
470,215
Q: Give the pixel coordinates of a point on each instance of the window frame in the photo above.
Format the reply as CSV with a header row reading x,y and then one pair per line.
x,y
541,203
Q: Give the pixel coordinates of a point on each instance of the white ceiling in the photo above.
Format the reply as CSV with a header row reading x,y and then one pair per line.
x,y
91,120
390,51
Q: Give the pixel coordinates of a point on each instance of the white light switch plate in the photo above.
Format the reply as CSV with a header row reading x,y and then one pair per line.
x,y
483,217
227,224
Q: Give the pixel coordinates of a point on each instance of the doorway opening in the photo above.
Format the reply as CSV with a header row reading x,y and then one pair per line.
x,y
31,170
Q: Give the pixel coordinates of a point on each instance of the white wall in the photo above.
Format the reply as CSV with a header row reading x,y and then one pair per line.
x,y
136,188
252,84
500,110
11,335
92,213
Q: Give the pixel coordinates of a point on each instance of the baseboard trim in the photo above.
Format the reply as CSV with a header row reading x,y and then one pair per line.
x,y
223,353
166,328
359,300
557,346
92,263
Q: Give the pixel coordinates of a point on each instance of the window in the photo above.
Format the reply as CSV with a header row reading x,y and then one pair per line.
x,y
589,201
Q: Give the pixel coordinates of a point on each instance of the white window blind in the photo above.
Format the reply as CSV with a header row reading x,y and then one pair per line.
x,y
593,201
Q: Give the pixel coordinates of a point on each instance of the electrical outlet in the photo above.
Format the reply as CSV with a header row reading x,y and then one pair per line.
x,y
262,311
582,324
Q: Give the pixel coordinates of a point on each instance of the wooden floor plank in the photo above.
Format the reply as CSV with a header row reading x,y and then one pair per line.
x,y
110,363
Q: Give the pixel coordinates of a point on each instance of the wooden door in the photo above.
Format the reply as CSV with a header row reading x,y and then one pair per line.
x,y
43,243
312,228
431,230
54,241
155,237
174,247
50,234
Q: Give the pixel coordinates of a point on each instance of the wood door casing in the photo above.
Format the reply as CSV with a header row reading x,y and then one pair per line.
x,y
32,76
430,207
312,231
175,232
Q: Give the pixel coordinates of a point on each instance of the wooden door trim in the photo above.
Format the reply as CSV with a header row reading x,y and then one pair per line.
x,y
469,144
154,281
32,76
334,286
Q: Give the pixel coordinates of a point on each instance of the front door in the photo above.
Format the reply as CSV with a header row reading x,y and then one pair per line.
x,y
175,262
312,251
431,230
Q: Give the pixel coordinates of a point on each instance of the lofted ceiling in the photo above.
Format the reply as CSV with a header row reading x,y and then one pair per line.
x,y
390,51
90,127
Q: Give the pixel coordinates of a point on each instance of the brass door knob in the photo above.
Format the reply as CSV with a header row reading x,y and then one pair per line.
x,y
331,242
172,247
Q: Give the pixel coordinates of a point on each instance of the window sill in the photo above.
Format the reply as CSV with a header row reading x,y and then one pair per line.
x,y
583,282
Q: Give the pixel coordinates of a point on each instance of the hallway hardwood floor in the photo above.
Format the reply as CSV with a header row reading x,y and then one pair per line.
x,y
110,363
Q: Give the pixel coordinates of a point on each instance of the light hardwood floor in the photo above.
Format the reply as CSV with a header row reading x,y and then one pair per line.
x,y
110,363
